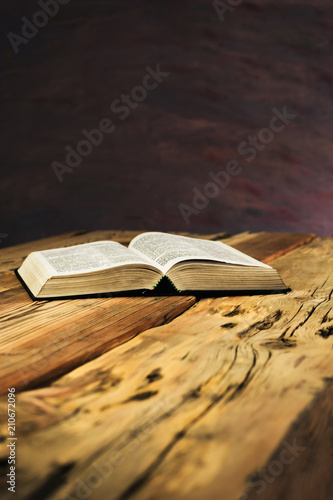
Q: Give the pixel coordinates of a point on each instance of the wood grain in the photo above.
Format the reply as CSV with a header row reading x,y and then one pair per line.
x,y
307,473
38,338
190,409
269,246
53,337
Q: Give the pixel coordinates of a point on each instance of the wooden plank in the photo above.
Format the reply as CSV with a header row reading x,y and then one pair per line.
x,y
307,472
12,294
269,246
190,409
41,333
34,347
65,334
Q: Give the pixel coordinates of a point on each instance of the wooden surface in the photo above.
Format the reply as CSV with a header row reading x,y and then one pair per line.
x,y
148,398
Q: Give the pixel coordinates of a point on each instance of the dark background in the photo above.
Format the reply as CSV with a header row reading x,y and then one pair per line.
x,y
225,78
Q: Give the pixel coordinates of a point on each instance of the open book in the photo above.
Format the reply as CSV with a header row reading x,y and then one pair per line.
x,y
108,266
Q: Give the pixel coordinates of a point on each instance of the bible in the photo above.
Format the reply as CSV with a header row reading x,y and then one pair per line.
x,y
190,264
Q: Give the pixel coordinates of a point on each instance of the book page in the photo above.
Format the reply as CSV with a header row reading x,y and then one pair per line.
x,y
91,257
168,249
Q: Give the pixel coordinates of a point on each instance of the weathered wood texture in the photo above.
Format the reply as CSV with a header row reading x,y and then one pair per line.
x,y
273,245
39,339
47,339
218,403
306,472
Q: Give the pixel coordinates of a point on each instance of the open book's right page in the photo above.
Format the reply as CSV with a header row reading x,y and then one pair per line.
x,y
166,250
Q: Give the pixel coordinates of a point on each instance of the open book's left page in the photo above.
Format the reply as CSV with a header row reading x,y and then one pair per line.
x,y
98,267
91,257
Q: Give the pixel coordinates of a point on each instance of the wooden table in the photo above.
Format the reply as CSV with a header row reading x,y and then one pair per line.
x,y
146,398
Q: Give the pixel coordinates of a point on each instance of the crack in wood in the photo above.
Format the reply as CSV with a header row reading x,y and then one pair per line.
x,y
238,389
307,318
265,324
237,310
325,332
289,321
141,396
228,325
280,343
313,308
247,379
227,377
154,375
325,318
52,483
